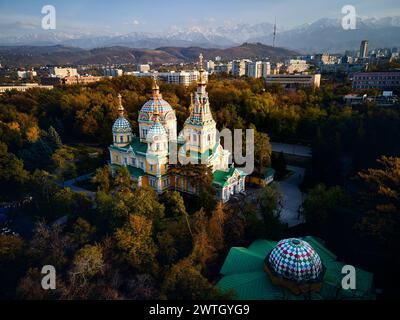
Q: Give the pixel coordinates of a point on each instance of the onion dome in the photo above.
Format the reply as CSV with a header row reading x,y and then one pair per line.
x,y
156,129
121,125
156,101
295,260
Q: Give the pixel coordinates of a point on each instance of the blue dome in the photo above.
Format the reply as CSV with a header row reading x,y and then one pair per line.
x,y
121,125
295,260
157,129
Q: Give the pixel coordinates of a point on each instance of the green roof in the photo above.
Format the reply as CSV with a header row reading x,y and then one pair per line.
x,y
136,144
221,177
133,171
243,271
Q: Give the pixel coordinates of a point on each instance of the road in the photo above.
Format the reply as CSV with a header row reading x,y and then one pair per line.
x,y
292,196
70,184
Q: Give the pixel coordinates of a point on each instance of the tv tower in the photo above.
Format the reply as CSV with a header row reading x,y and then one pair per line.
x,y
274,35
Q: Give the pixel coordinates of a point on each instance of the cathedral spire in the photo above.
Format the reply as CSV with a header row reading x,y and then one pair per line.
x,y
202,81
155,87
191,106
120,107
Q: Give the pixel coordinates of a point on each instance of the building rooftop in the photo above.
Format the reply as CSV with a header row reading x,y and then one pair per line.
x,y
244,272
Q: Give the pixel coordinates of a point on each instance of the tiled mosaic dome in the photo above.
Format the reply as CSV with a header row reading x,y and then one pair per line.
x,y
295,260
148,108
156,129
121,125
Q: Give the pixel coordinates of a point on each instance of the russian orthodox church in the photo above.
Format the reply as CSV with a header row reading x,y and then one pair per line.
x,y
291,269
147,156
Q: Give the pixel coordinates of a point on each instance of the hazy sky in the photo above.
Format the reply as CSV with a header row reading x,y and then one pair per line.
x,y
122,16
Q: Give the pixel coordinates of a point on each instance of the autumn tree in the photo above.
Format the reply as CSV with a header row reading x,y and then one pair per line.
x,y
82,232
103,178
216,227
12,174
270,205
12,263
262,150
379,200
136,243
87,263
320,207
185,281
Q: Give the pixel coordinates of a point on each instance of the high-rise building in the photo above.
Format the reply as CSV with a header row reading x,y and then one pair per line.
x,y
239,67
223,68
210,66
254,69
266,69
364,49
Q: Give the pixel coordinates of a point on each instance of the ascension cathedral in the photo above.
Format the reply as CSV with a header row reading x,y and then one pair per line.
x,y
147,156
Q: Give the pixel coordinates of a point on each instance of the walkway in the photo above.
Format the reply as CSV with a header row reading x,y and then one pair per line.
x,y
292,196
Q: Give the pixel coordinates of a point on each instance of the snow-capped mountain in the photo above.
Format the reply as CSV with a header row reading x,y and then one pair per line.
x,y
323,35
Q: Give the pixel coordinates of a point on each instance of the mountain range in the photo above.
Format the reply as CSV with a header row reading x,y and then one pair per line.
x,y
21,56
324,35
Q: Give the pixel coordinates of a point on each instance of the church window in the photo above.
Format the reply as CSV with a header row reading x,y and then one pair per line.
x,y
121,138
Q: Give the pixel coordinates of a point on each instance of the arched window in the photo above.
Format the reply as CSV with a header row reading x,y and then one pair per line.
x,y
121,139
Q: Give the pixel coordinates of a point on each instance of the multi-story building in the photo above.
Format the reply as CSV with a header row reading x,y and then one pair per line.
x,y
24,87
223,68
64,72
377,80
266,69
143,68
210,66
295,65
148,157
112,72
28,74
364,49
239,67
254,69
80,80
325,58
185,78
292,80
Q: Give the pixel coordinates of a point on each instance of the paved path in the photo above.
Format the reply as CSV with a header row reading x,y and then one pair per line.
x,y
70,184
292,149
292,196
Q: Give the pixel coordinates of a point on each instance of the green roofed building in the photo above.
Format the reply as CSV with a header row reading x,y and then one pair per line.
x,y
291,269
149,156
